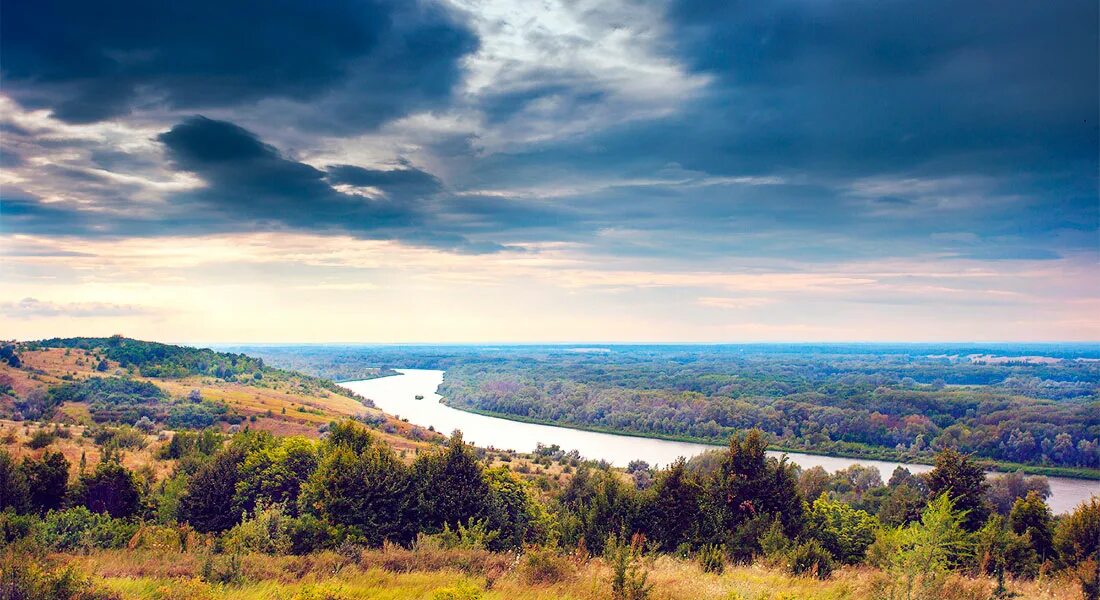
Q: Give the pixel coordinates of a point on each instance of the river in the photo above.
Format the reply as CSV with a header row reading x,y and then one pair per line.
x,y
396,395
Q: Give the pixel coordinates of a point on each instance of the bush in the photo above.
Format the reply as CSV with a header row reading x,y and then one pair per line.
x,y
810,558
41,438
267,531
222,569
544,565
712,558
14,527
24,573
81,529
629,576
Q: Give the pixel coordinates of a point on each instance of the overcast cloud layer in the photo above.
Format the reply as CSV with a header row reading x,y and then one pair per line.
x,y
693,170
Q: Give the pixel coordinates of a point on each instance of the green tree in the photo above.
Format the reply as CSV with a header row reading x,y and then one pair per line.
x,y
47,480
959,477
1077,536
14,493
749,491
1000,550
670,508
369,492
844,531
918,557
516,515
1031,516
594,505
208,503
110,489
451,486
275,474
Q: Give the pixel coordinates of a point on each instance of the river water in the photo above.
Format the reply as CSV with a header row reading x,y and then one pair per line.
x,y
396,395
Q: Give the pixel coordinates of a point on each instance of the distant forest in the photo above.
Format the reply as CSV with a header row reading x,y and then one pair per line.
x,y
1036,405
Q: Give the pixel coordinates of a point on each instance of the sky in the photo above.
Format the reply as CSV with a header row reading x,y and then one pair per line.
x,y
562,170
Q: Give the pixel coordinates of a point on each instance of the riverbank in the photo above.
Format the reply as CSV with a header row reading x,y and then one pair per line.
x,y
872,454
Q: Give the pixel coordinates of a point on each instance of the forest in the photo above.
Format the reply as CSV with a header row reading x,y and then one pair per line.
x,y
1033,406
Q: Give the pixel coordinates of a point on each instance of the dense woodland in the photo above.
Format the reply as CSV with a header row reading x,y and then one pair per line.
x,y
1018,405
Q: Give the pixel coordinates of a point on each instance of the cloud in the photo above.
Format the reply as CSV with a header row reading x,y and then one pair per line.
x,y
32,308
358,63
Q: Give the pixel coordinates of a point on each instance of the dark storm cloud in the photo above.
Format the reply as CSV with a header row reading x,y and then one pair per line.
x,y
368,61
828,130
405,180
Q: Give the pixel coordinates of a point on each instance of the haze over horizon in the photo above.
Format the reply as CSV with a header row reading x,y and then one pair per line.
x,y
499,171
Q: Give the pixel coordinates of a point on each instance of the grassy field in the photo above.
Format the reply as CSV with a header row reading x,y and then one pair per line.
x,y
397,573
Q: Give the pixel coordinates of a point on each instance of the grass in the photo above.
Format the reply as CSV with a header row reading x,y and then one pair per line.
x,y
395,573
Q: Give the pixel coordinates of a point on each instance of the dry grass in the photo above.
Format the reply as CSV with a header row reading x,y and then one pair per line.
x,y
15,434
398,573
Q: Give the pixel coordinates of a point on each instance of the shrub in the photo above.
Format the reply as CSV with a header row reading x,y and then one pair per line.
x,y
544,565
712,558
844,531
41,439
24,573
81,529
267,531
629,575
810,558
222,569
14,527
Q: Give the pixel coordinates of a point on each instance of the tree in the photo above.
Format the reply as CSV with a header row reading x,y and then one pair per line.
x,y
47,480
844,531
1031,516
670,509
208,504
369,492
110,489
594,505
14,493
956,475
1004,490
516,515
275,474
749,491
451,486
1077,540
102,366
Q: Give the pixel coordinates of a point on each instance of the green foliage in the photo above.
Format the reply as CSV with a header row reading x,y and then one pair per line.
x,y
208,504
162,360
267,531
963,480
474,535
810,558
594,506
222,569
451,486
1031,517
369,492
81,529
14,493
514,513
47,480
460,591
1001,550
712,558
1077,535
918,557
842,530
670,507
27,573
275,474
749,491
113,399
629,579
40,439
543,565
110,488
